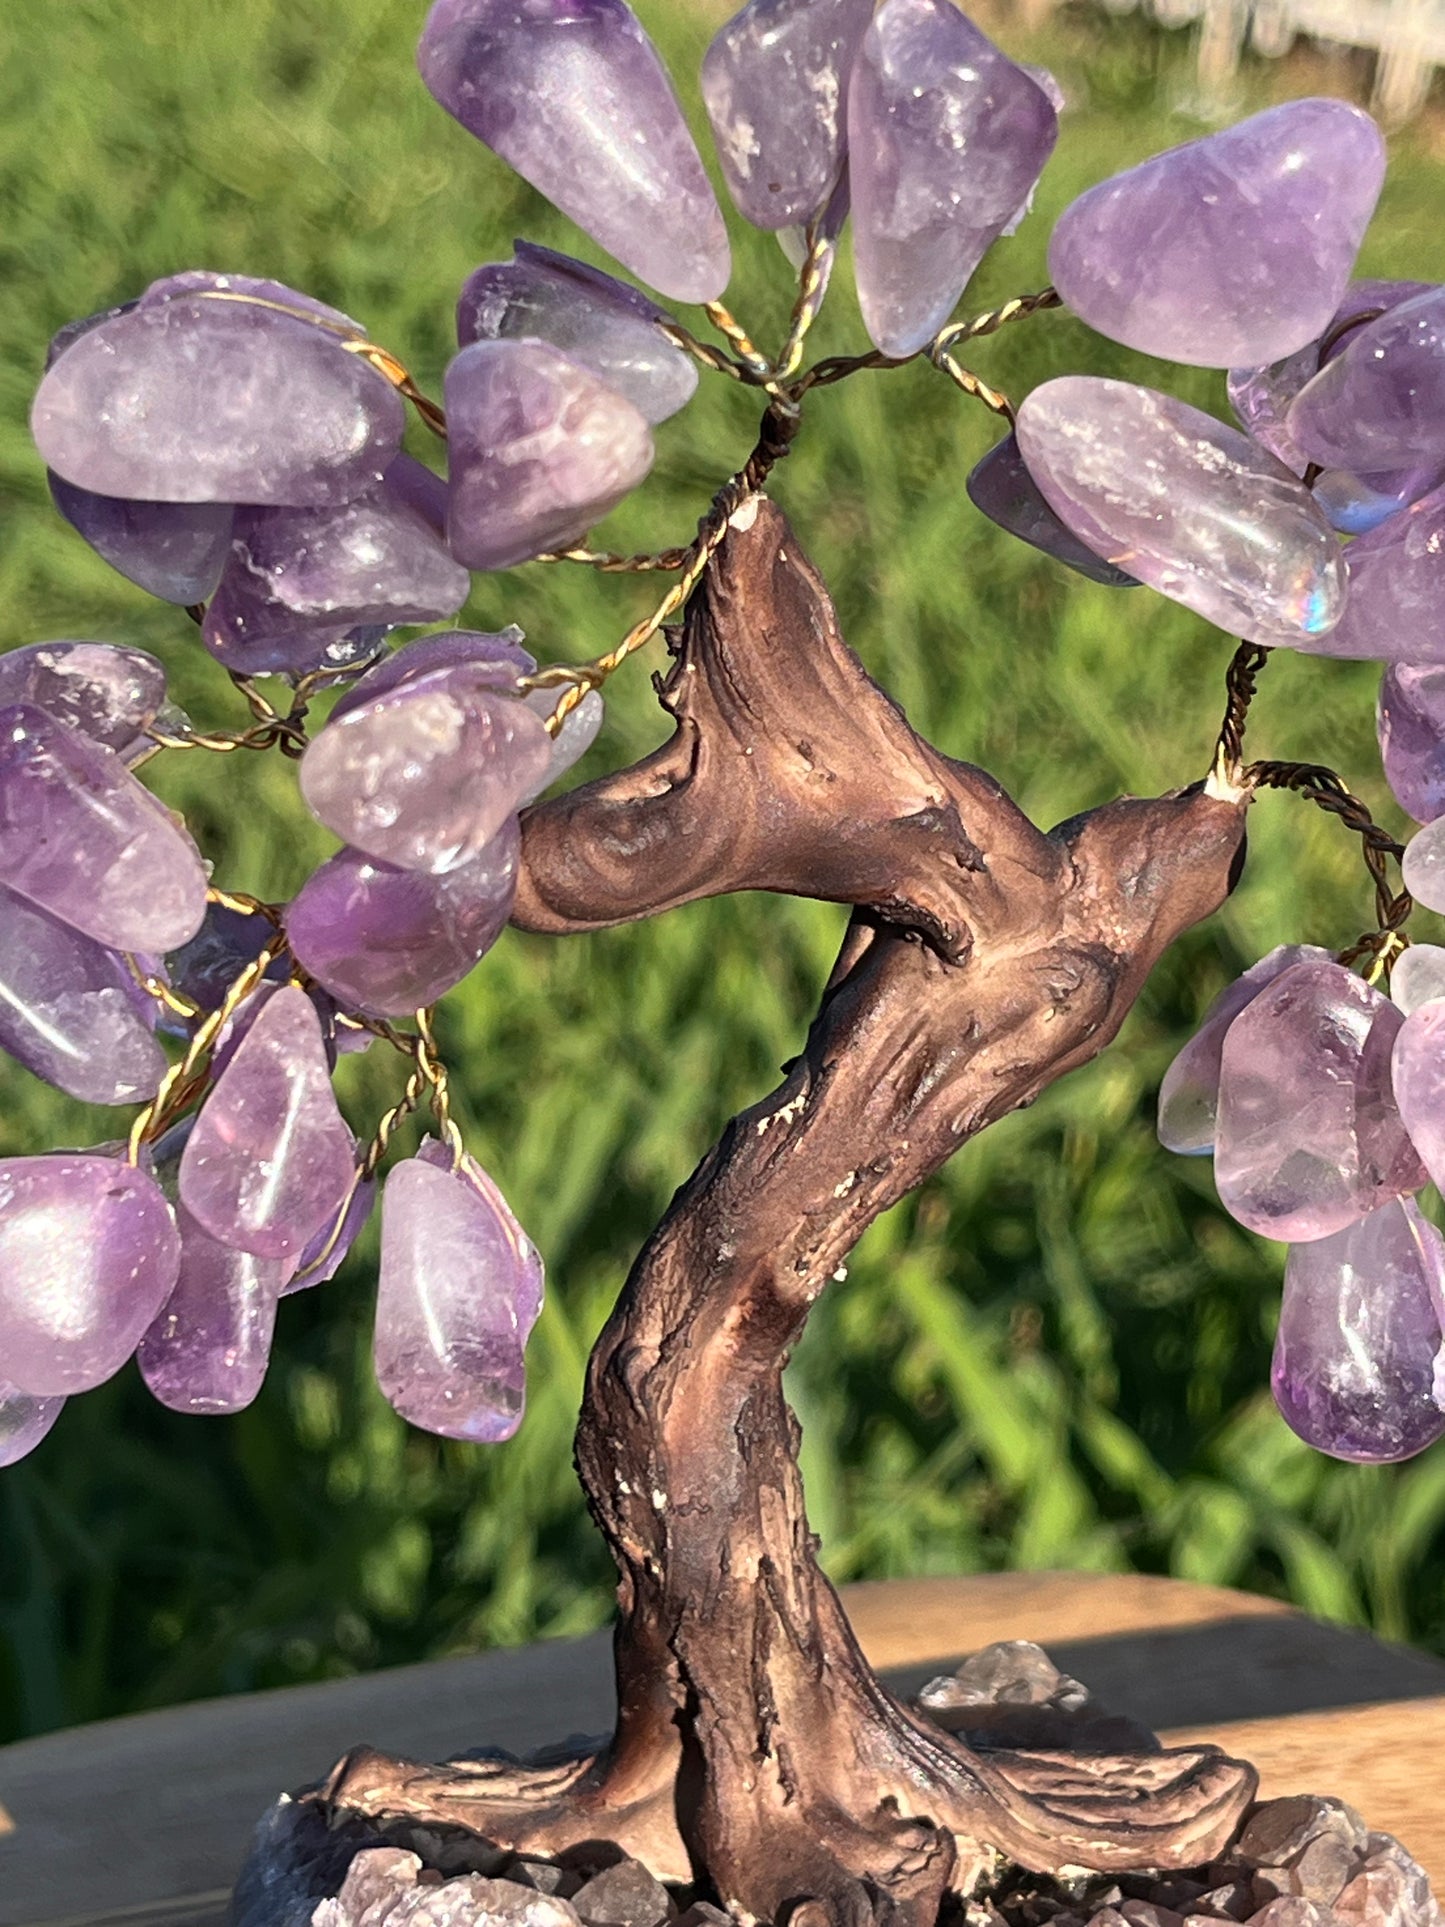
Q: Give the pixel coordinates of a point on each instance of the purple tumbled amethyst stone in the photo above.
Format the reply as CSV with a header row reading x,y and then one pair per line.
x,y
329,1249
226,943
197,400
588,316
208,1349
387,941
88,1255
539,451
1231,249
1418,977
580,729
1189,1094
1355,1358
174,550
775,84
425,775
1419,1078
300,581
1423,866
500,657
1396,578
1380,403
71,1012
1309,1138
1187,504
946,139
250,287
24,1422
80,837
461,1288
271,1157
572,94
1410,720
109,693
1002,488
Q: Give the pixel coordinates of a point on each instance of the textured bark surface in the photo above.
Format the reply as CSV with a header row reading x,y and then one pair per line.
x,y
754,1749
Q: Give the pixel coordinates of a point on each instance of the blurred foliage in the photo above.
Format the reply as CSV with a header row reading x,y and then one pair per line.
x,y
1057,1354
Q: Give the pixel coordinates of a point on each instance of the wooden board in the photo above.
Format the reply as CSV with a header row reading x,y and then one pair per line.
x,y
141,1822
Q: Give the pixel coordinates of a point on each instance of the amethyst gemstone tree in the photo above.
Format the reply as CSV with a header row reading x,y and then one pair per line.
x,y
232,444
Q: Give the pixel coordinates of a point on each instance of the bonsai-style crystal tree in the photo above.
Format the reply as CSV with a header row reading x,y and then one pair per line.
x,y
234,447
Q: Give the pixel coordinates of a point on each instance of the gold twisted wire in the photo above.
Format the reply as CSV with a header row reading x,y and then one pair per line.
x,y
813,281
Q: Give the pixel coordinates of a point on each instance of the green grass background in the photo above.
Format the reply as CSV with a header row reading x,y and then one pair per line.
x,y
1057,1354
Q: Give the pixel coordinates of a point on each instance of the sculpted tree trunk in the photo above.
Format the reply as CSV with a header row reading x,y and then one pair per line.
x,y
755,1751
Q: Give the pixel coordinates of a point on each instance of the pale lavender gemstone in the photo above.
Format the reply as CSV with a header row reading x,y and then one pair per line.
x,y
67,336
24,1422
460,1289
425,775
539,450
1355,504
1396,577
585,314
174,550
1380,404
775,84
329,1249
1418,977
271,1157
1309,1138
946,139
1359,1337
107,692
80,837
71,1012
1419,1072
1261,394
1002,488
1189,1094
420,488
580,729
501,657
1190,506
1411,725
1231,249
572,94
249,287
1423,866
88,1255
300,581
197,400
208,1349
387,941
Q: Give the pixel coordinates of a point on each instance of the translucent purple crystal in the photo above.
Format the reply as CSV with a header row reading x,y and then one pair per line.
x,y
1380,404
88,1255
461,1288
1309,1138
329,1249
80,837
387,941
1002,488
1261,394
226,943
110,694
1423,866
1419,1076
585,314
1396,575
271,1157
24,1422
300,582
1411,724
572,94
249,287
174,550
501,659
1355,504
197,400
580,729
1190,506
775,84
1355,1359
1418,977
425,775
1189,1094
946,139
539,450
1231,249
70,1011
208,1349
